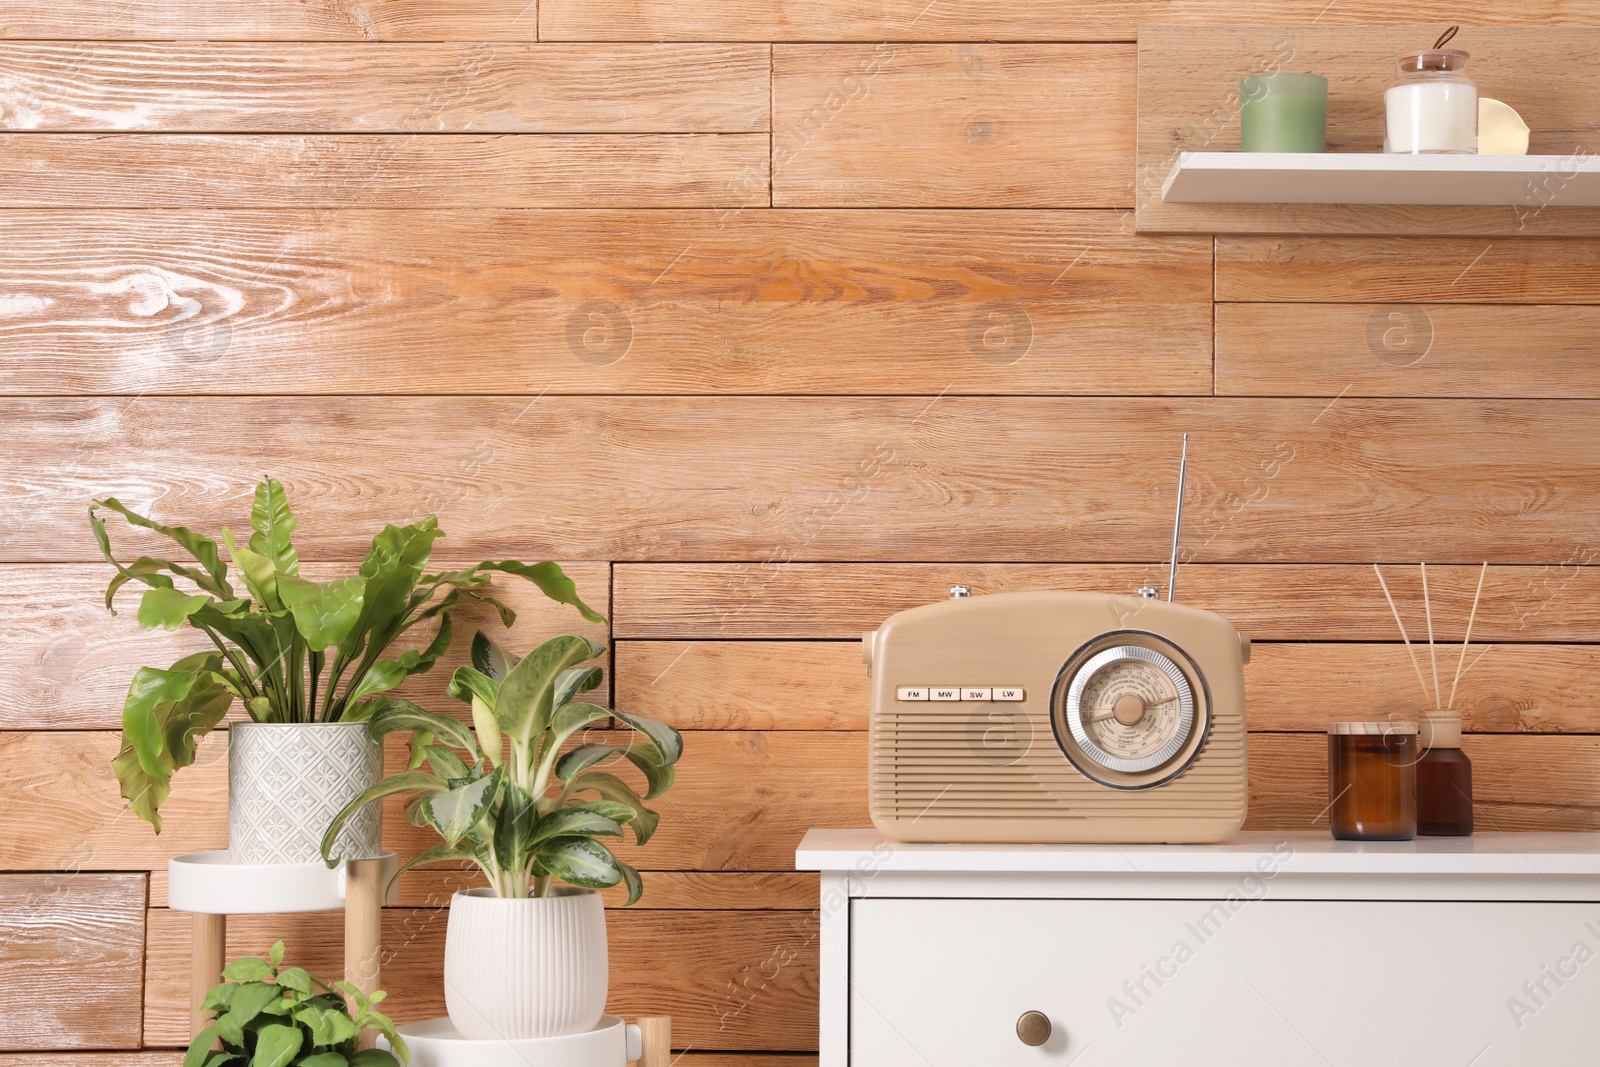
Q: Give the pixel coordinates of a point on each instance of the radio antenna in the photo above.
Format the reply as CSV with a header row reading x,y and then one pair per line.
x,y
1177,522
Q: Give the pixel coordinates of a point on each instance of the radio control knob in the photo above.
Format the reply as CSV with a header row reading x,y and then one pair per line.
x,y
1148,592
959,591
1033,1028
866,648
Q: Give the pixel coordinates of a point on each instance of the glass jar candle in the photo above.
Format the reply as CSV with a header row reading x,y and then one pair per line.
x,y
1372,781
1432,105
1444,777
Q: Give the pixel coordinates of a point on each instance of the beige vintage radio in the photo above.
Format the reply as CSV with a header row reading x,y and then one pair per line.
x,y
1058,717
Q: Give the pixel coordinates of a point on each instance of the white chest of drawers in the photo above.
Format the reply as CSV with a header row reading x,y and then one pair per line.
x,y
1269,951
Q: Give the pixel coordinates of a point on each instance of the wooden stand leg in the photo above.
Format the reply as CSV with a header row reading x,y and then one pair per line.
x,y
363,927
205,965
656,1030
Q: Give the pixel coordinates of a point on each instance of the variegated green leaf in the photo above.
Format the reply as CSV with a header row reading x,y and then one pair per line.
x,y
527,695
581,862
458,810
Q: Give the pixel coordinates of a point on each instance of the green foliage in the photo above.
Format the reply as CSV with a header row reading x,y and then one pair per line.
x,y
504,795
291,649
268,1015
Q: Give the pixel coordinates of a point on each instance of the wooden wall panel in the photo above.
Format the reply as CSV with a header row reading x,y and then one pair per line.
x,y
1559,602
488,87
63,779
66,662
317,20
381,170
999,20
566,317
945,126
1189,101
71,950
1411,350
95,1059
900,478
604,302
703,968
1439,270
817,685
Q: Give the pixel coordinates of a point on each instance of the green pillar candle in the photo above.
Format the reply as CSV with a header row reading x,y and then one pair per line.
x,y
1283,113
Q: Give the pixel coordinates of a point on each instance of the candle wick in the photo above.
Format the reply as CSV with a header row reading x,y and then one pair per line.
x,y
1446,37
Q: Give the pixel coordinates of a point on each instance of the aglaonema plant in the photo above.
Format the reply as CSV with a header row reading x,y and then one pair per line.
x,y
504,794
292,650
269,1015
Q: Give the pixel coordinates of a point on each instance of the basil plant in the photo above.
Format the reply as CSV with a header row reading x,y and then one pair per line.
x,y
502,793
269,1014
291,650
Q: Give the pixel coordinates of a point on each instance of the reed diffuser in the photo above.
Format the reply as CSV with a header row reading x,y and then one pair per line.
x,y
1444,774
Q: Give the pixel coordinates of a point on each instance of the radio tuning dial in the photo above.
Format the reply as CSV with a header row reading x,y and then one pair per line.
x,y
1126,712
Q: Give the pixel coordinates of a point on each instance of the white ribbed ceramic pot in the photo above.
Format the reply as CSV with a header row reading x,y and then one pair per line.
x,y
535,967
287,781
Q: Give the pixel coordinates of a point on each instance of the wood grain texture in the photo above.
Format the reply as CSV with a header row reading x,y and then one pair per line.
x,y
70,951
605,302
95,1059
489,87
65,662
272,20
744,685
952,126
63,779
780,479
1555,603
822,685
998,20
1409,350
730,980
1189,101
333,171
1436,270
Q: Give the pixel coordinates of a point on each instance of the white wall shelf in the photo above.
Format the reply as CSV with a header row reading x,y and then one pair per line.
x,y
1367,178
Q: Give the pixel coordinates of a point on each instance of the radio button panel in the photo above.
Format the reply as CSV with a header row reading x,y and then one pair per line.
x,y
1007,694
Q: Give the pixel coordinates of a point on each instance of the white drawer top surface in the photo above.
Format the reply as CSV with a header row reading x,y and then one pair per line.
x,y
1487,853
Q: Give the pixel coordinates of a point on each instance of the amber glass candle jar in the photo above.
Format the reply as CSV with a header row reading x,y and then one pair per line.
x,y
1372,781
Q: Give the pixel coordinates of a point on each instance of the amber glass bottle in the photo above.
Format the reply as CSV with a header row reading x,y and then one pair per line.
x,y
1444,778
1372,781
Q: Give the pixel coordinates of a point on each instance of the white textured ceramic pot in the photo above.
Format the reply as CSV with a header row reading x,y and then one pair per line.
x,y
535,967
287,781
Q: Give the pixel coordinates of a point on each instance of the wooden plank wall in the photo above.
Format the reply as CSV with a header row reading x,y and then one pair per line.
x,y
769,318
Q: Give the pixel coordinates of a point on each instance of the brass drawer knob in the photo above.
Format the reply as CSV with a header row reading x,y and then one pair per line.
x,y
1033,1028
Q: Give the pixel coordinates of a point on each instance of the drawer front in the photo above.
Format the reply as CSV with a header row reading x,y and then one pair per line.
x,y
941,983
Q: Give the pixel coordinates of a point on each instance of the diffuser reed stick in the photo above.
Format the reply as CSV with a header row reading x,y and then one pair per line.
x,y
1427,606
1403,635
1482,571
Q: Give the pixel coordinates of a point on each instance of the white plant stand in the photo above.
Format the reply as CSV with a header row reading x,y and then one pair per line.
x,y
211,888
435,1043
